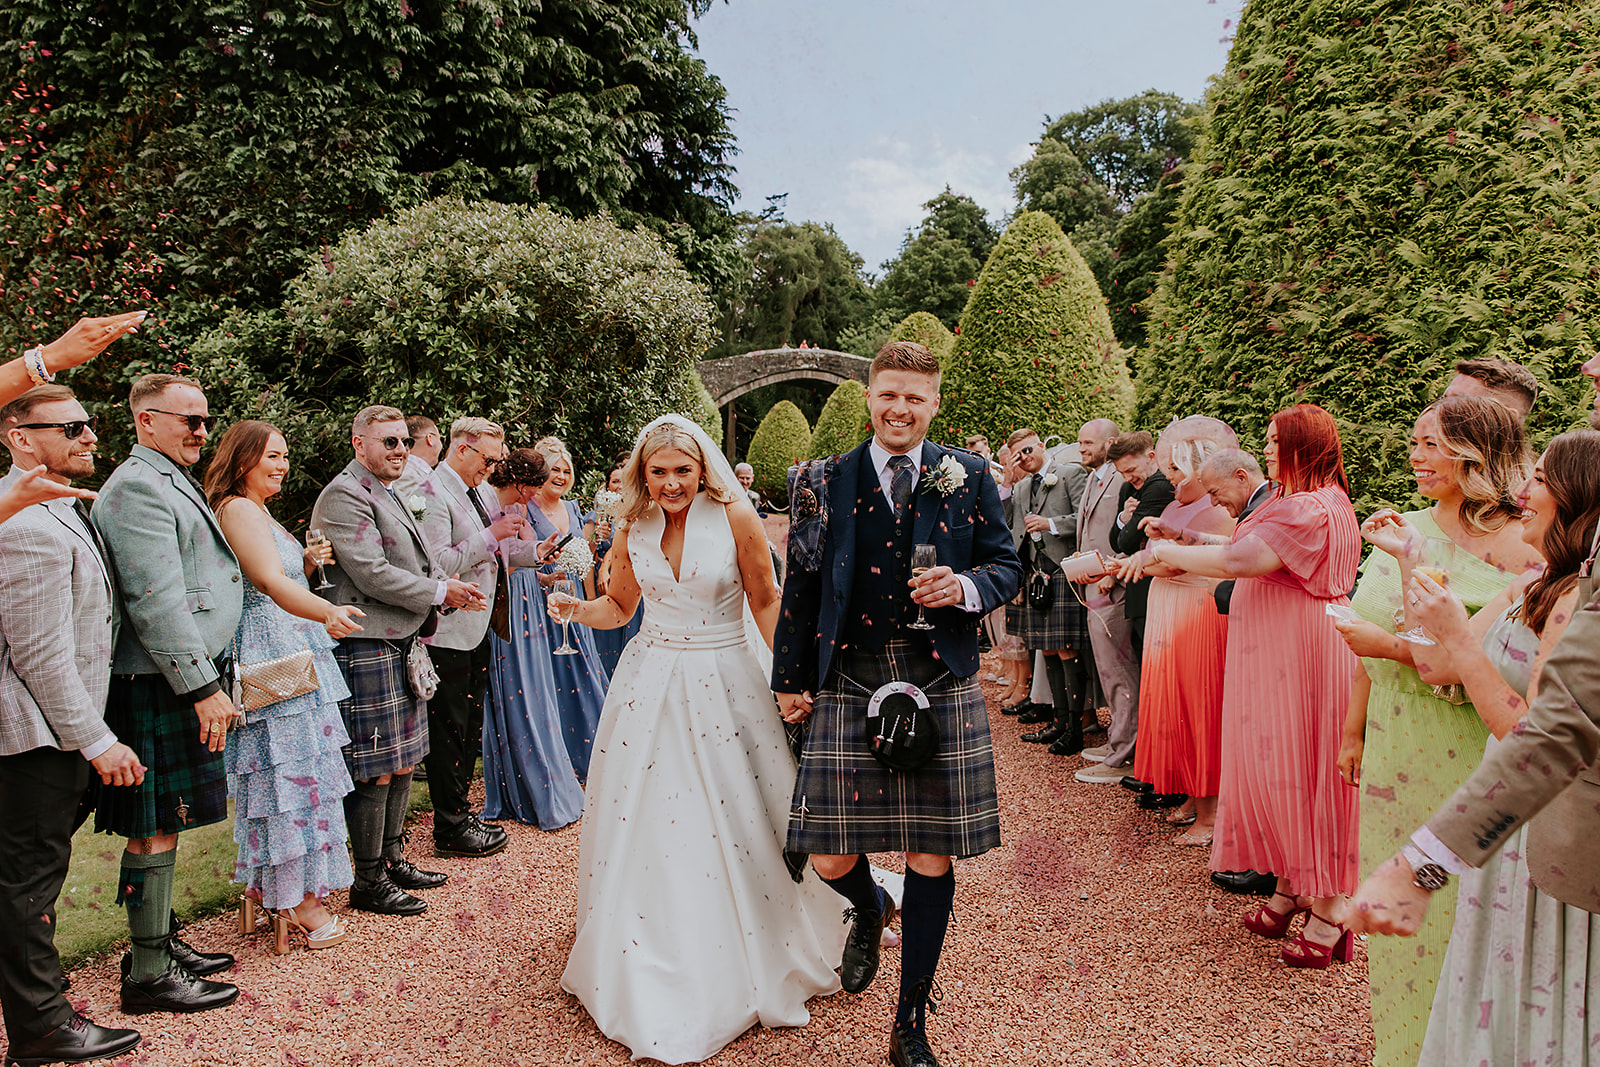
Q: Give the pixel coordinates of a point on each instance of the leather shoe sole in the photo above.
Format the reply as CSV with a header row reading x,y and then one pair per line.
x,y
176,991
78,1041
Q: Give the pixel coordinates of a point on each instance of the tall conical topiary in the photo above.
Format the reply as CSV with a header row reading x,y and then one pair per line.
x,y
925,328
1035,345
782,440
843,422
1381,191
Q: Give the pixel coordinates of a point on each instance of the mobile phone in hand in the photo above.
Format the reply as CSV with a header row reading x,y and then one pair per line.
x,y
556,551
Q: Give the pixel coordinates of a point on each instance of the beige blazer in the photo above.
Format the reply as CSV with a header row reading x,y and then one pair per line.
x,y
1097,516
1544,774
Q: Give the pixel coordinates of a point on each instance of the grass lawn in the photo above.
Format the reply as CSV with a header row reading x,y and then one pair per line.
x,y
88,920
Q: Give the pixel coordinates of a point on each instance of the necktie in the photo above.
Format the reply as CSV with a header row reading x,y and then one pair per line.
x,y
900,484
502,592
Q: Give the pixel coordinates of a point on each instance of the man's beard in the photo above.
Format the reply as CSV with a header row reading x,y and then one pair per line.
x,y
1594,418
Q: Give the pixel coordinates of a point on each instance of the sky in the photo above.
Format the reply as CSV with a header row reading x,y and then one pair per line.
x,y
863,110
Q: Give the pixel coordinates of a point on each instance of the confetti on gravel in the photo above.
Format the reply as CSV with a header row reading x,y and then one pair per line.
x,y
1087,938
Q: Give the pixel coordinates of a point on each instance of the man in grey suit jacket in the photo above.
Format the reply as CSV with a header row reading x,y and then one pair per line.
x,y
57,620
458,529
384,566
1044,531
181,594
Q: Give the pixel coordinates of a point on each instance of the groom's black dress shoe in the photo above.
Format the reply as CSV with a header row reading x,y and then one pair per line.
x,y
859,965
1261,885
383,897
175,990
1046,735
407,875
472,840
908,1047
78,1041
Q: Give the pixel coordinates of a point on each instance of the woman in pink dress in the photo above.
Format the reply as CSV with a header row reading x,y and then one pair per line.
x,y
1283,805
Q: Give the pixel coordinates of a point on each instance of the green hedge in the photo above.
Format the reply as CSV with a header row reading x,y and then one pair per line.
x,y
1035,346
547,324
844,421
781,441
925,328
1380,191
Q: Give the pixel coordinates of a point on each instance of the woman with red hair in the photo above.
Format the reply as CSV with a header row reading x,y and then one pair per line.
x,y
1283,806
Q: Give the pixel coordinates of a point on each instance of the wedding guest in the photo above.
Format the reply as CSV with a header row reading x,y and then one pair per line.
x,y
1498,379
426,447
610,642
57,603
286,770
527,768
1469,457
1115,663
1281,804
182,595
384,565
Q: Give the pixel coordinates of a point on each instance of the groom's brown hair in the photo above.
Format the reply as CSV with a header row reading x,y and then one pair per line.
x,y
907,356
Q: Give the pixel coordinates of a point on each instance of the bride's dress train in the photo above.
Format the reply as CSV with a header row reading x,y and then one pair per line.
x,y
689,928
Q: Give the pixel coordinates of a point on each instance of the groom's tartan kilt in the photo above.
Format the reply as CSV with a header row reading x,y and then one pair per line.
x,y
845,802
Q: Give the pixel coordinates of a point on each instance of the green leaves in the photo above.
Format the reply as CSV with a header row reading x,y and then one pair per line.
x,y
782,440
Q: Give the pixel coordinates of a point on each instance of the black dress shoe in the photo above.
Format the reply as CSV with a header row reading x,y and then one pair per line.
x,y
1261,885
191,959
1045,736
1037,714
908,1047
407,875
1133,784
383,897
78,1041
859,965
473,839
1018,708
1161,801
175,990
1066,745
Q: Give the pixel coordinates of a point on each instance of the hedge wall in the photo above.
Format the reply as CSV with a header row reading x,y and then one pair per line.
x,y
844,421
781,441
925,328
1383,189
1035,346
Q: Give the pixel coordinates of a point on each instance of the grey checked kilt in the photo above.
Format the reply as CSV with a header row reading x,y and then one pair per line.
x,y
1065,625
388,728
845,802
185,783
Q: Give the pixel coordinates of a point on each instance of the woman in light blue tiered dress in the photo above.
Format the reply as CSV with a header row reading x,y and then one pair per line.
x,y
286,773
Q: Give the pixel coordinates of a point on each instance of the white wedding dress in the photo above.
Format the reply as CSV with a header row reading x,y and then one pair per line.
x,y
690,929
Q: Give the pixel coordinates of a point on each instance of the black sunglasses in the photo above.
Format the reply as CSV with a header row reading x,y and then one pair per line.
x,y
1025,451
391,442
194,421
73,430
488,461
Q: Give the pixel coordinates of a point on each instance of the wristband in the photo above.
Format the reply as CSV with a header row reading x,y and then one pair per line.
x,y
33,362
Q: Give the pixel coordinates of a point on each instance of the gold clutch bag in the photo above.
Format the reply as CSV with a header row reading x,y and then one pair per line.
x,y
268,682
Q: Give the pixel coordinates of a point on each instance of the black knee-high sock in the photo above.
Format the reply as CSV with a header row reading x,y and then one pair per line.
x,y
364,813
858,888
924,916
394,821
1055,673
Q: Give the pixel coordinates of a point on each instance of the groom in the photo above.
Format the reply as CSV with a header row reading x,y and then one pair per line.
x,y
844,635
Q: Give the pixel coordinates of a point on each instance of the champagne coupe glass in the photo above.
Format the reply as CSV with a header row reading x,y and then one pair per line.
x,y
1437,555
563,587
923,559
315,538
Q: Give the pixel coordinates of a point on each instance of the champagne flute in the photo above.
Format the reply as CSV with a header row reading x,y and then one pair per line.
x,y
315,538
923,559
1437,555
563,587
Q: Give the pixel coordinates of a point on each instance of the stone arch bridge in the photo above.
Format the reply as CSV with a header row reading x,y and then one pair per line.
x,y
731,377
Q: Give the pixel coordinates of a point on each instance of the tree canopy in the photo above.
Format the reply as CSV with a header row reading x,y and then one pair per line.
x,y
938,262
799,282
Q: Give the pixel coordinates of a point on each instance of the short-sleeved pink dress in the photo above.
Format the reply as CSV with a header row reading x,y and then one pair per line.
x,y
1283,807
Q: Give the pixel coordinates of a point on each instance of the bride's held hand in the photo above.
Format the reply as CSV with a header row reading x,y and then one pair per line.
x,y
794,707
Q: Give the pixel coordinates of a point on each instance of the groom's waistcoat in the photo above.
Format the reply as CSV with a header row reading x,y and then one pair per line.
x,y
879,595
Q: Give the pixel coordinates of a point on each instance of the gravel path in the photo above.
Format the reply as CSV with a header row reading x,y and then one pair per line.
x,y
1087,938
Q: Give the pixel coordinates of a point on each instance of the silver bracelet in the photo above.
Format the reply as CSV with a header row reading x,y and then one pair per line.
x,y
33,362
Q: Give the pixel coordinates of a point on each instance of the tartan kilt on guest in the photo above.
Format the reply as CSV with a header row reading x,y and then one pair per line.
x,y
847,803
388,727
1065,625
185,784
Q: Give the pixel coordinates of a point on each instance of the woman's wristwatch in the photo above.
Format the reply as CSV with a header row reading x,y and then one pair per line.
x,y
1425,874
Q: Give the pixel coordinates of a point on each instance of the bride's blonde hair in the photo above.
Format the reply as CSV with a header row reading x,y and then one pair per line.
x,y
636,502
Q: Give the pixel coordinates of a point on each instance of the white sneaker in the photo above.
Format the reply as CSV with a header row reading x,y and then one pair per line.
x,y
1103,774
1097,754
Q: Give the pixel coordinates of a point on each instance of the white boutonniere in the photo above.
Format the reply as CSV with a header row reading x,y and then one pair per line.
x,y
1051,479
418,505
947,477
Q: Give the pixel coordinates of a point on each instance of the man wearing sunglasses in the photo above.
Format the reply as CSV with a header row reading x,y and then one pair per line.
x,y
384,565
57,607
467,544
181,595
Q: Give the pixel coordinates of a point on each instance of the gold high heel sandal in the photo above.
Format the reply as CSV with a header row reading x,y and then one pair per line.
x,y
253,918
327,935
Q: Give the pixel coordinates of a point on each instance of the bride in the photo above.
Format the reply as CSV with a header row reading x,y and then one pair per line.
x,y
690,929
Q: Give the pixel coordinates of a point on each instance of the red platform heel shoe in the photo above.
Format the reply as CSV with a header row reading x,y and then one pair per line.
x,y
1264,922
1302,952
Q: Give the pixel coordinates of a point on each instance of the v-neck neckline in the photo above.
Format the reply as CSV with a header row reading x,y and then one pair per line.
x,y
661,541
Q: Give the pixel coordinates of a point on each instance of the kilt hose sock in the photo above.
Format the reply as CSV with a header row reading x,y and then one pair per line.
x,y
147,891
857,886
394,820
924,917
365,809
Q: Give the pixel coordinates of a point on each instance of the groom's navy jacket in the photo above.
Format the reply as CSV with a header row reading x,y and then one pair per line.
x,y
967,528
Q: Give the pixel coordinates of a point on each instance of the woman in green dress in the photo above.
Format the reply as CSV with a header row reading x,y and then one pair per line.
x,y
1407,745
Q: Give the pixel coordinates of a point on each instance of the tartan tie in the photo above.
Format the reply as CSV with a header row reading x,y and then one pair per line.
x,y
900,484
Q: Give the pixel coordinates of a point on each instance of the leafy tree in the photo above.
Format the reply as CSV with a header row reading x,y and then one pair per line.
x,y
1377,197
1035,345
929,332
844,422
800,282
782,440
1127,145
1056,182
939,261
702,406
544,323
